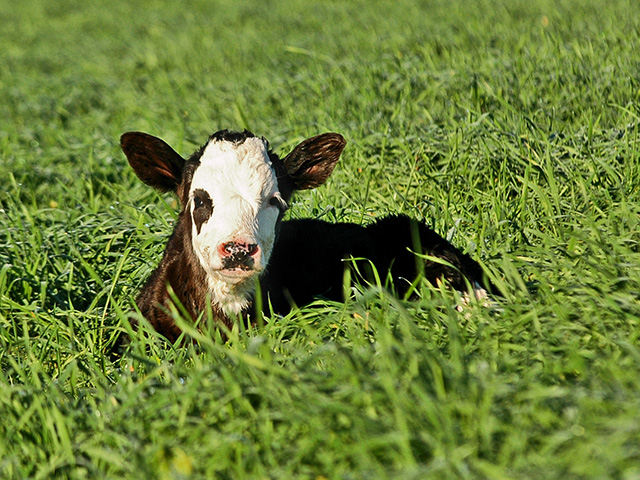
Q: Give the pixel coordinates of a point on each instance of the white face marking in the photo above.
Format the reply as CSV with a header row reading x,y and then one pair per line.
x,y
240,182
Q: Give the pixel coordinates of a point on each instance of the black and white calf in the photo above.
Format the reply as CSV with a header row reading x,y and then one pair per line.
x,y
233,192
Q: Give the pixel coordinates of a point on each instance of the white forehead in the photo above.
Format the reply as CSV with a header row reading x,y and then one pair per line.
x,y
242,169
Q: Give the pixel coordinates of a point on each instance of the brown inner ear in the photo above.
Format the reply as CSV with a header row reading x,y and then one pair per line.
x,y
312,161
153,160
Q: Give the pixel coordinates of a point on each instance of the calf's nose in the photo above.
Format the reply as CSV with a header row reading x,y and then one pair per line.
x,y
238,248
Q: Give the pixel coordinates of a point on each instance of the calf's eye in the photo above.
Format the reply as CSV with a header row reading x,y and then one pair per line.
x,y
201,199
278,202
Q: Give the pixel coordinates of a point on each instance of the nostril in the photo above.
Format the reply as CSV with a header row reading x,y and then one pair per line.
x,y
226,249
252,249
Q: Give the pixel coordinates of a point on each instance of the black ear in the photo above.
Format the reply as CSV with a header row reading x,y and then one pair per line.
x,y
153,160
312,161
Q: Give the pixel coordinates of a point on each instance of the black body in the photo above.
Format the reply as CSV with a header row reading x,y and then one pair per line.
x,y
310,256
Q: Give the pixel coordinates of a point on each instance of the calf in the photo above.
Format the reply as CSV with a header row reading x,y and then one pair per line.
x,y
233,192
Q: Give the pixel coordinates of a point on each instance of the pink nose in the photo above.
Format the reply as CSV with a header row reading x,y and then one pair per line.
x,y
238,248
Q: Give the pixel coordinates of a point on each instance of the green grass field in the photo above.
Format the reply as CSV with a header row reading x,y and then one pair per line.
x,y
512,127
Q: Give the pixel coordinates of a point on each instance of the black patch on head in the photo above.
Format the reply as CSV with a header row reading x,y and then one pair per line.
x,y
222,135
202,207
231,136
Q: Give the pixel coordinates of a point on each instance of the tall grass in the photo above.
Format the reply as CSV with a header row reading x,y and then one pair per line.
x,y
511,127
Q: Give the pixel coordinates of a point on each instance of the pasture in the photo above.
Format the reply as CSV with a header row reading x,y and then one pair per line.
x,y
511,127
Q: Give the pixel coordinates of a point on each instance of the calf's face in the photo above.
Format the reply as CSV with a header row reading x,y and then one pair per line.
x,y
234,202
233,192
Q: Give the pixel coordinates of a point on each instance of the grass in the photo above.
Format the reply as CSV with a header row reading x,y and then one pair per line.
x,y
511,127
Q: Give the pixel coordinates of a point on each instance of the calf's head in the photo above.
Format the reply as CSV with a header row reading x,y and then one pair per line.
x,y
233,192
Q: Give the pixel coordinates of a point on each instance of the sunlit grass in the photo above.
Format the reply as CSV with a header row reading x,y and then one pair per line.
x,y
511,128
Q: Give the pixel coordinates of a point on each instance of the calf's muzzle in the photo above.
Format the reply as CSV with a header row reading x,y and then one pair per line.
x,y
238,255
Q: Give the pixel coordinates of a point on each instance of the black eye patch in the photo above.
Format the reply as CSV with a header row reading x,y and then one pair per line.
x,y
202,207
